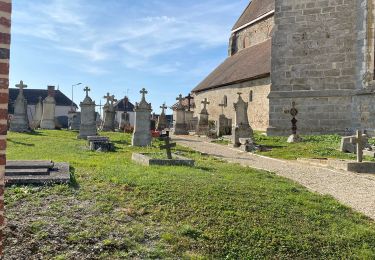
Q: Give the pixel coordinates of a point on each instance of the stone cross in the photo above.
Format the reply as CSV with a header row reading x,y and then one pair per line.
x,y
168,147
113,99
21,86
87,90
359,143
180,98
108,97
205,103
163,107
189,98
143,92
222,105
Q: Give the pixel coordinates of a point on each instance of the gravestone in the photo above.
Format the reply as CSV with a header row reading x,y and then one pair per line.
x,y
142,134
74,120
167,146
88,117
109,114
20,122
124,121
224,124
37,118
36,173
241,128
191,122
100,144
49,107
180,127
203,124
162,120
294,138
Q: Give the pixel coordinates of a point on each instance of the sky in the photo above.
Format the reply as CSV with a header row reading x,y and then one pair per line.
x,y
120,46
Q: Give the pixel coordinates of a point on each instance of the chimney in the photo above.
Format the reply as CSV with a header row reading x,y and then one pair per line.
x,y
51,91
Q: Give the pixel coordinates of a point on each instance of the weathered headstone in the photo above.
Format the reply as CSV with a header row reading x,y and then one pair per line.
x,y
168,145
109,114
180,127
20,122
224,124
74,120
142,134
294,138
124,121
38,114
203,124
88,117
49,107
162,120
242,128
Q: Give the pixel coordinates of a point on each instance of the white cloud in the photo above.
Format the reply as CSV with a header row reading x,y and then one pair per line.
x,y
137,43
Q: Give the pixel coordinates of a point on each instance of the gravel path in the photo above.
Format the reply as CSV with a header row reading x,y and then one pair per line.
x,y
354,190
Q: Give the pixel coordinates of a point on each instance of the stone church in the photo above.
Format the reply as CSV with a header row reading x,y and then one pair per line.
x,y
316,53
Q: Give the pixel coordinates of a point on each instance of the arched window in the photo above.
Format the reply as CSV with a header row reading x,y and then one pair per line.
x,y
225,101
251,96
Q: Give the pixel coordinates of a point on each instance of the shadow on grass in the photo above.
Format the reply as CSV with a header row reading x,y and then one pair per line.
x,y
35,133
121,142
20,143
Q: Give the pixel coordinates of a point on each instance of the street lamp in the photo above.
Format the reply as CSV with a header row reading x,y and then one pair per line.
x,y
73,93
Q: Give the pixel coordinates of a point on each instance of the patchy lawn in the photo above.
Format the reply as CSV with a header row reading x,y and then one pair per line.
x,y
117,209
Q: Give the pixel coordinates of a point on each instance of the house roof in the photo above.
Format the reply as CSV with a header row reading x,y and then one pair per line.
x,y
254,10
250,63
32,96
120,105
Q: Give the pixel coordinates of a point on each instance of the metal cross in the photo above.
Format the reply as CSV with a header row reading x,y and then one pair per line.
x,y
168,147
205,103
87,90
143,92
189,98
294,113
163,107
21,86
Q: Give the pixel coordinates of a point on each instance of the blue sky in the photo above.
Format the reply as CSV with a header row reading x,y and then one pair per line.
x,y
120,46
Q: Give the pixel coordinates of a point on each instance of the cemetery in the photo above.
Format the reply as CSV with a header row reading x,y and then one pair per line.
x,y
269,156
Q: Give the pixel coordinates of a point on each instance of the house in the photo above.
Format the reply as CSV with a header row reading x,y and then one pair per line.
x,y
63,103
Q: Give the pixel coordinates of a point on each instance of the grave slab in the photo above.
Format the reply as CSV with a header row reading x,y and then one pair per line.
x,y
147,160
36,173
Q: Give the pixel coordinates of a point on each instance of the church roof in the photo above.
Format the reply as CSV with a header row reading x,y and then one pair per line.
x,y
120,105
254,10
248,64
32,96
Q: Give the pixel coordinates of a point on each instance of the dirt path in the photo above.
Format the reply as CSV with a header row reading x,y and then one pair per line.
x,y
354,190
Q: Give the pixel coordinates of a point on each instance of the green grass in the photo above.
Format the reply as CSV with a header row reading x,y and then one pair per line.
x,y
313,146
216,210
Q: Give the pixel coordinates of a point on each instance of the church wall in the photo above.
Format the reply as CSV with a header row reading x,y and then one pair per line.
x,y
252,35
258,107
315,59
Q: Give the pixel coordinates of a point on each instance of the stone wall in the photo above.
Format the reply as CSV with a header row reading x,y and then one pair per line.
x,y
317,55
5,23
258,107
251,35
